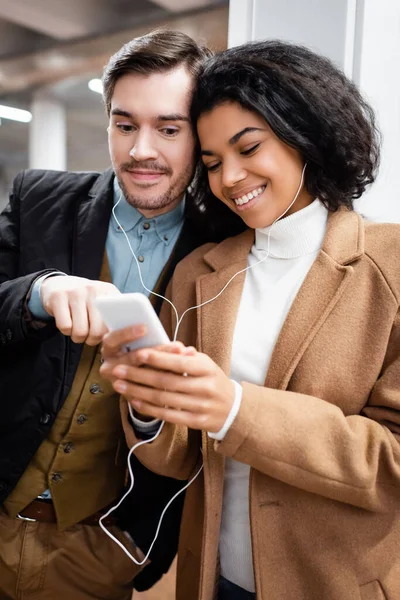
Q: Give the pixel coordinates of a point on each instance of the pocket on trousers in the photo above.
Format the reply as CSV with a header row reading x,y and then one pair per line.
x,y
372,591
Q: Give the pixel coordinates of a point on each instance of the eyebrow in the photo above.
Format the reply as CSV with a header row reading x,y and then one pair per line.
x,y
235,138
161,118
173,117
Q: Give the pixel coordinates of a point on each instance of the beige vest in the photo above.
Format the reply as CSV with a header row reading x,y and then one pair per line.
x,y
83,461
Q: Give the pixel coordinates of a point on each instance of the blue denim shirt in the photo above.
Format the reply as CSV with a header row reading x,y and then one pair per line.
x,y
152,241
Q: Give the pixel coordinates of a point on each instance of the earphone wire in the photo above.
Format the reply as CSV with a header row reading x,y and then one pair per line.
x,y
267,254
178,323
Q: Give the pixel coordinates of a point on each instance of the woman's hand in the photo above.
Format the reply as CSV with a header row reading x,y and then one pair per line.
x,y
181,386
113,352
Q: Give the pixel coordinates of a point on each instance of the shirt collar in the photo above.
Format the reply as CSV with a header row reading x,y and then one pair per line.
x,y
129,217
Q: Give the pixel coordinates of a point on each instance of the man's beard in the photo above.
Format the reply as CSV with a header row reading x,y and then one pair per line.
x,y
146,202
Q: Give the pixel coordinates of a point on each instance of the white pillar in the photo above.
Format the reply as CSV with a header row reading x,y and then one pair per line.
x,y
377,73
363,38
47,136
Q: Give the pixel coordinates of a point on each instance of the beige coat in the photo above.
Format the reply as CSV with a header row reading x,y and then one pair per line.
x,y
322,437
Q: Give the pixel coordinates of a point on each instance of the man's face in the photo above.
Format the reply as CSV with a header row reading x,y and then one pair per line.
x,y
151,140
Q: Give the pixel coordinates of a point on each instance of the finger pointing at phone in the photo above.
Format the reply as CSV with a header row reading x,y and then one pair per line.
x,y
70,300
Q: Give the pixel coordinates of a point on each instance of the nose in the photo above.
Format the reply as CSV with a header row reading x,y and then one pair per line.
x,y
233,172
144,147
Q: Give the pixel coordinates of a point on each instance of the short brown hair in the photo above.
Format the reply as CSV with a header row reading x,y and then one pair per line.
x,y
158,51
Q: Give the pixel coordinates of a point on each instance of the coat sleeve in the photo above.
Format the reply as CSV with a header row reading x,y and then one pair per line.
x,y
176,451
15,322
310,444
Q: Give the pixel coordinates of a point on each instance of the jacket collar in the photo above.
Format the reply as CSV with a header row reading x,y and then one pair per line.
x,y
343,242
91,226
344,238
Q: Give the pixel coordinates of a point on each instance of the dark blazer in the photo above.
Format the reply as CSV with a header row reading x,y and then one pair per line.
x,y
59,221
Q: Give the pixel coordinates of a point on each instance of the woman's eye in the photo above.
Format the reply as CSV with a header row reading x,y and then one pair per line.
x,y
250,150
212,167
125,127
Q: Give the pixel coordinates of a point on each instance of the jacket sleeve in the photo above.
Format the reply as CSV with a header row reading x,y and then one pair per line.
x,y
310,444
176,451
16,324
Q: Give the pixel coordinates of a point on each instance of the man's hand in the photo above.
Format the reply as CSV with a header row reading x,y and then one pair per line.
x,y
70,300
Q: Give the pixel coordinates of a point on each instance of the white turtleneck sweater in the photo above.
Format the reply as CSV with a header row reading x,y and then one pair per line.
x,y
269,290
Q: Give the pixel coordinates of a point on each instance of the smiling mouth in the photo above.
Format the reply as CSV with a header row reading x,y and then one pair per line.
x,y
247,197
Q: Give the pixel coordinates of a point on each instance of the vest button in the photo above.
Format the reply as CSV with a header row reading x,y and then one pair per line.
x,y
82,419
95,388
68,447
141,258
56,477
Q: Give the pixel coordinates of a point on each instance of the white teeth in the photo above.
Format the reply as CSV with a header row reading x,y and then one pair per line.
x,y
244,199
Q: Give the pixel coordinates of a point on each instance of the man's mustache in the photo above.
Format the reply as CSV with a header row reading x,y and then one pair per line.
x,y
146,166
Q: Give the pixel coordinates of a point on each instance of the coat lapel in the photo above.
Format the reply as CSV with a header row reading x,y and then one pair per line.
x,y
91,226
215,328
216,320
318,295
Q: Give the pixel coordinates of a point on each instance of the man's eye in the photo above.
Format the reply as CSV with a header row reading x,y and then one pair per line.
x,y
125,127
170,131
249,151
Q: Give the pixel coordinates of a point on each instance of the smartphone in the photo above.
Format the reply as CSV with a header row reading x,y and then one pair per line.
x,y
122,311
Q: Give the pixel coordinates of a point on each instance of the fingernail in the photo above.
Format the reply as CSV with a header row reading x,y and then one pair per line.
x,y
138,329
120,371
120,386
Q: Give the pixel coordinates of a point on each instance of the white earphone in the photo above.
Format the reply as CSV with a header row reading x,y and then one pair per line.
x,y
178,322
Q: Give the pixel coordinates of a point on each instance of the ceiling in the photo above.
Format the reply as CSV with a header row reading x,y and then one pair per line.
x,y
60,46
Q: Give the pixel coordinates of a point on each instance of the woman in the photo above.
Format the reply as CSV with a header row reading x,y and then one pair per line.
x,y
292,396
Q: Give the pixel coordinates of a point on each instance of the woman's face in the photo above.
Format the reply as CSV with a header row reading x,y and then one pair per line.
x,y
249,168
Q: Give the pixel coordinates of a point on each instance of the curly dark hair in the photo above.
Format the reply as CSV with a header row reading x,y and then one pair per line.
x,y
309,104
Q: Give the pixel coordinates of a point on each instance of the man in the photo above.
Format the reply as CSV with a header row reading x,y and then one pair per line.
x,y
62,450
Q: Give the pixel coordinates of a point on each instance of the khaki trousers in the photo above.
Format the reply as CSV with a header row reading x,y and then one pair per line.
x,y
38,562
